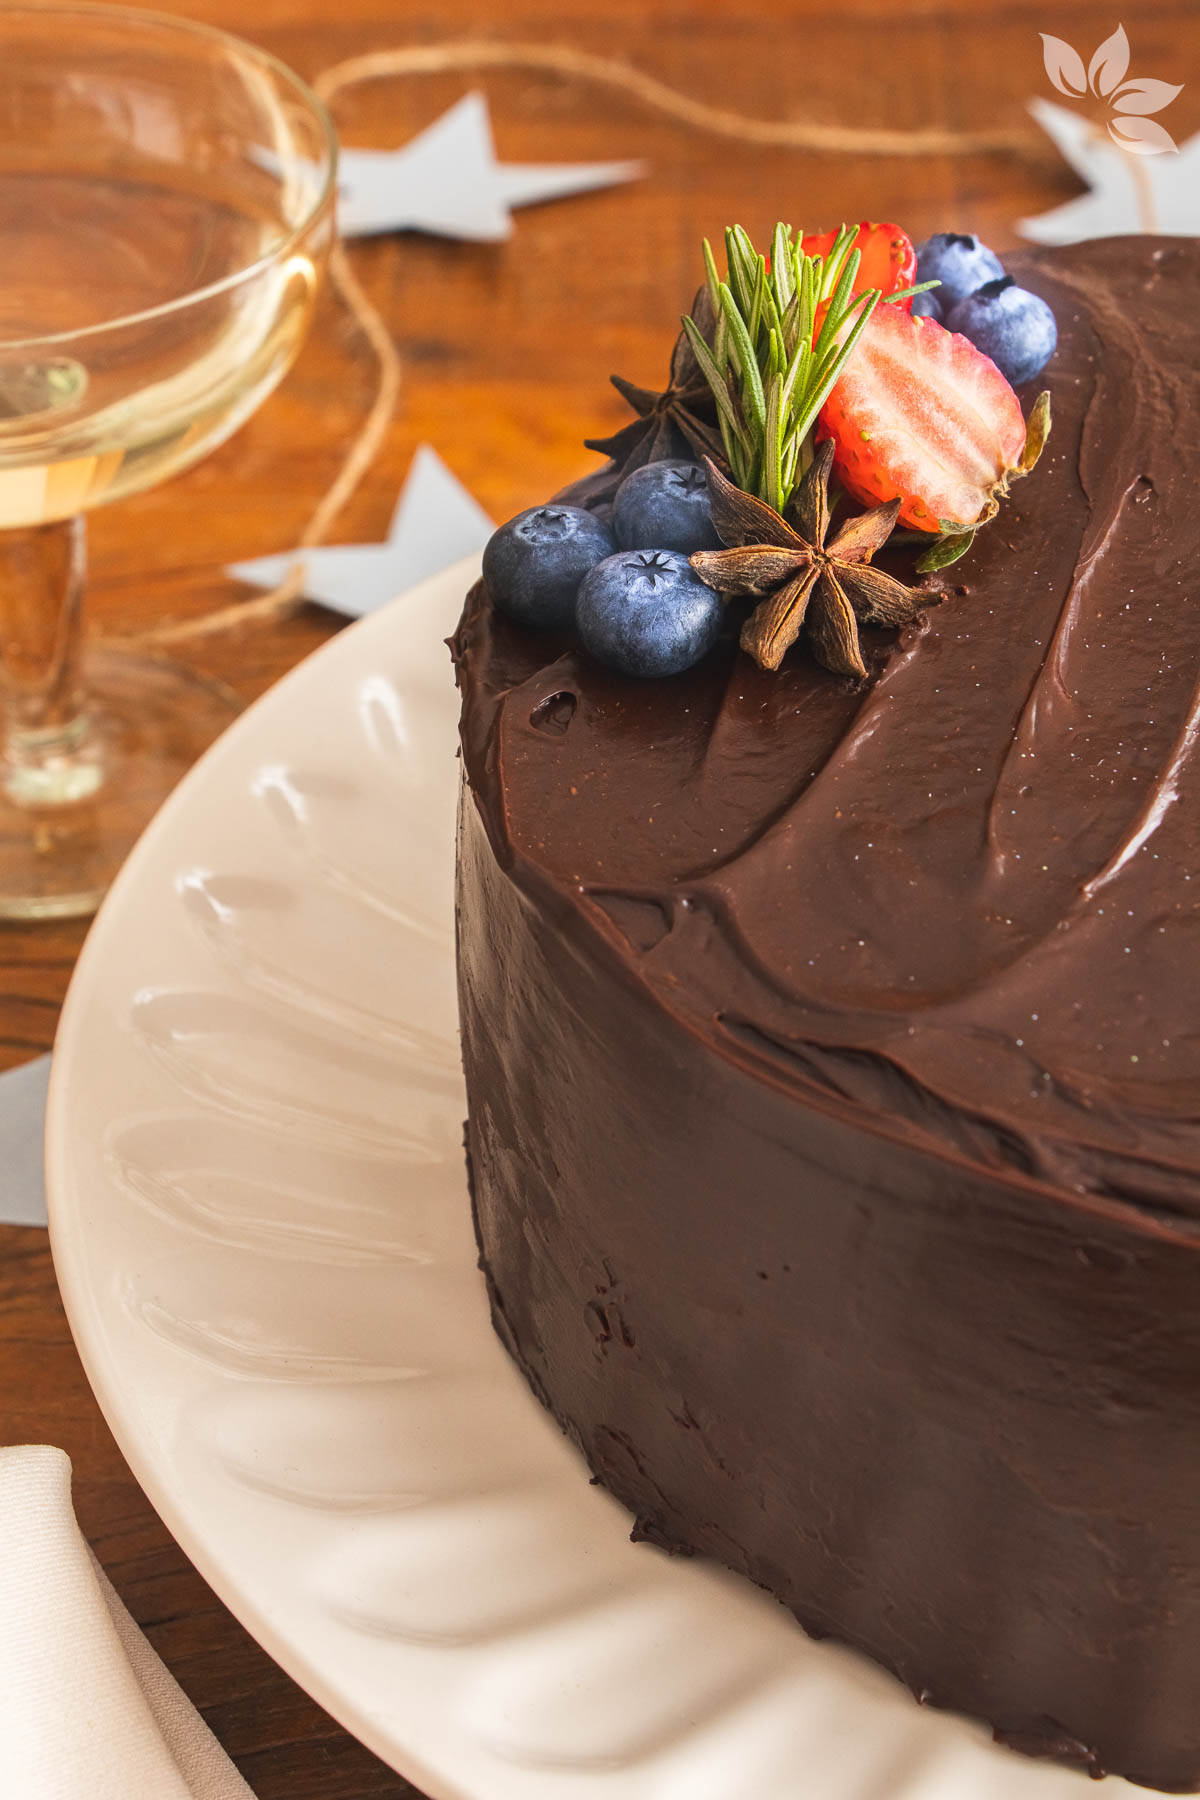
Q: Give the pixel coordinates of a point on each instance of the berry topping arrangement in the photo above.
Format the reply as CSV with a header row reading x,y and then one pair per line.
x,y
844,391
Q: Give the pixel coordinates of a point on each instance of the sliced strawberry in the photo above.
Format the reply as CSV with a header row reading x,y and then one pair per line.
x,y
889,261
920,412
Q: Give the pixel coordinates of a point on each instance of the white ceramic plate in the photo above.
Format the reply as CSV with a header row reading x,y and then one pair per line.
x,y
261,1230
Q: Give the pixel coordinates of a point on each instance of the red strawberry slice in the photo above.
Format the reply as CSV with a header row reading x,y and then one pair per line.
x,y
920,412
889,261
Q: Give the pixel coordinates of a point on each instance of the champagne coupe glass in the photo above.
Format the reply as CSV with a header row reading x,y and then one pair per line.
x,y
166,211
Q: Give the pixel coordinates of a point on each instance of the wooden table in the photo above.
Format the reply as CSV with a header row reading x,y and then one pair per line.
x,y
506,352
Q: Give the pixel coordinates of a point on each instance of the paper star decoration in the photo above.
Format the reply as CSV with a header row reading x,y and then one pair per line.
x,y
436,522
448,181
22,1130
1128,193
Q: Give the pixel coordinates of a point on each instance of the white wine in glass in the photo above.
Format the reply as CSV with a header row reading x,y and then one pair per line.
x,y
166,212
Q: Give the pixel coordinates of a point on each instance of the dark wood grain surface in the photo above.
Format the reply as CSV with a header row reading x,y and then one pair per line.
x,y
506,350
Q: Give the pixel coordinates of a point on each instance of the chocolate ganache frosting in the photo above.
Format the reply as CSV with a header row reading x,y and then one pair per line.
x,y
833,1060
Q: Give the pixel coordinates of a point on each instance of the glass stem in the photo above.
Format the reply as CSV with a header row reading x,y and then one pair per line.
x,y
48,756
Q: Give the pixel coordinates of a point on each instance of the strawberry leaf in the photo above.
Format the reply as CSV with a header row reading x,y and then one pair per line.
x,y
1064,66
1037,430
1110,65
945,550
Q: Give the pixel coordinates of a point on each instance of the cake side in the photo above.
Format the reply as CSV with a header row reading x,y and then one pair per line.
x,y
943,1421
833,1094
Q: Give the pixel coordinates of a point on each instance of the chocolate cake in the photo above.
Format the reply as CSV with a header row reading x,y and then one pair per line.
x,y
833,1059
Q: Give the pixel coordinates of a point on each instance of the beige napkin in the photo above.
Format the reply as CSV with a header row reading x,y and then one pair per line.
x,y
87,1710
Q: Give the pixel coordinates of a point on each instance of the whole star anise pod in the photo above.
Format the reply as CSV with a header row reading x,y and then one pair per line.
x,y
801,581
679,422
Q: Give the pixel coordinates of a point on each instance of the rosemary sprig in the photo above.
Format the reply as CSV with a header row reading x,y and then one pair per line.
x,y
784,331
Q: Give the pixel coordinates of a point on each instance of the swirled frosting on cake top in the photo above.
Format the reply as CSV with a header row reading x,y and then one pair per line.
x,y
961,898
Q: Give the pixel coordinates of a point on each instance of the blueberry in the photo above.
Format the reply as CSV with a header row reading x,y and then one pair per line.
x,y
960,262
665,506
533,565
1009,324
646,612
927,306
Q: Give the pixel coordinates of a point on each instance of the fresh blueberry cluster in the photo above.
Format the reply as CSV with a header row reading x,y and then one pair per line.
x,y
628,591
1008,323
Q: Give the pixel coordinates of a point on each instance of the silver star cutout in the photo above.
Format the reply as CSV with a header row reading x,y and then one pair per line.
x,y
22,1130
436,522
1128,193
448,181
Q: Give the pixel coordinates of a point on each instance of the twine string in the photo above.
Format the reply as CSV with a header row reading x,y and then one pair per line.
x,y
571,64
621,77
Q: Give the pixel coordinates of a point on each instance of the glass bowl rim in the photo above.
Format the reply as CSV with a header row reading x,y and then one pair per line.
x,y
139,16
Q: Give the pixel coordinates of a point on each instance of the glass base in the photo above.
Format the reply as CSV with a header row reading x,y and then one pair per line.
x,y
148,723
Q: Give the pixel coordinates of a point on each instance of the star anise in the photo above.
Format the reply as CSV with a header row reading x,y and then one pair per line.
x,y
800,581
679,422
